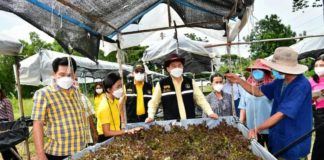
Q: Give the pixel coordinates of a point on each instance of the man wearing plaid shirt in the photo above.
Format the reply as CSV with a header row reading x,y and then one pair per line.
x,y
58,113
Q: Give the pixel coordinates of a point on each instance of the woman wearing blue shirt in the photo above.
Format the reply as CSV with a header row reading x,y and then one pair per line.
x,y
255,110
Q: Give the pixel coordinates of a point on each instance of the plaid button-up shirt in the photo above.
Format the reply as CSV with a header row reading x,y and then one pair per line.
x,y
63,117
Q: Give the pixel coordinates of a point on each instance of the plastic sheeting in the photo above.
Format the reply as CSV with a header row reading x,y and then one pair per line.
x,y
37,69
9,46
310,47
256,148
82,25
12,133
197,57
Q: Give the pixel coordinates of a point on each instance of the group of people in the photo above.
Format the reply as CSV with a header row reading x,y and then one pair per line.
x,y
275,102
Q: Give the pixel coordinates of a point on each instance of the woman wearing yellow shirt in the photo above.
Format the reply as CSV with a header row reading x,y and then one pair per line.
x,y
98,95
110,112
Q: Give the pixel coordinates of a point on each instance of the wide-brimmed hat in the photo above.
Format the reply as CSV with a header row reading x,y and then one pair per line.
x,y
172,58
258,65
285,60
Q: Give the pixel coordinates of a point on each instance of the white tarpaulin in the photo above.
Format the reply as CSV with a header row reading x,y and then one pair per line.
x,y
9,46
37,69
310,47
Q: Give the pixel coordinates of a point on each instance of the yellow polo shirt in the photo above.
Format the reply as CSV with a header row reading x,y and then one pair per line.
x,y
108,113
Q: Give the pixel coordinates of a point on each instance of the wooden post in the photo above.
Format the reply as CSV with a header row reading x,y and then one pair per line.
x,y
20,101
169,13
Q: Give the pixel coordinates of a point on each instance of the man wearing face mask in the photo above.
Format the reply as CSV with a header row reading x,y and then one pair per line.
x,y
178,94
138,94
220,102
58,107
291,113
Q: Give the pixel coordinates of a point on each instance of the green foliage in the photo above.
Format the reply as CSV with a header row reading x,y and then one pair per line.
x,y
194,37
267,28
7,80
237,63
302,4
134,54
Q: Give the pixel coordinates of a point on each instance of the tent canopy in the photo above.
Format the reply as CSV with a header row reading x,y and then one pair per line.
x,y
9,46
37,69
197,58
82,25
309,47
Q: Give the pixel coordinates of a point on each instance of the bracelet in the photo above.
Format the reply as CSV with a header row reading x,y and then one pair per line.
x,y
126,131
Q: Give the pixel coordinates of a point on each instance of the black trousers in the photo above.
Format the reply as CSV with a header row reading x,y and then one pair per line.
x,y
102,138
263,139
318,148
51,157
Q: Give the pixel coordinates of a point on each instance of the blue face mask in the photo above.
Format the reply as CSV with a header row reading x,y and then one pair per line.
x,y
258,75
277,75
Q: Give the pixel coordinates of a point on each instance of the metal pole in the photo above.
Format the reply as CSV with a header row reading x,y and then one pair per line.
x,y
263,40
20,101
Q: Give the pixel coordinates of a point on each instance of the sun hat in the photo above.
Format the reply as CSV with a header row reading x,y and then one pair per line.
x,y
172,58
285,60
258,65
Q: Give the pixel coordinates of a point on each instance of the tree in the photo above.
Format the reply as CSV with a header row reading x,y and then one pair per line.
x,y
302,4
267,28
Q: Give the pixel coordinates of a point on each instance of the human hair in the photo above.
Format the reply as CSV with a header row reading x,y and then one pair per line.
x,y
2,95
63,62
98,84
315,76
215,75
110,80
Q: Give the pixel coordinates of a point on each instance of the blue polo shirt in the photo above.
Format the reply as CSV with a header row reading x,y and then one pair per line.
x,y
295,102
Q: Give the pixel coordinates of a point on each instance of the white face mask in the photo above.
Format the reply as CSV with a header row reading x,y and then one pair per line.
x,y
176,72
139,76
319,71
118,93
218,87
99,90
65,82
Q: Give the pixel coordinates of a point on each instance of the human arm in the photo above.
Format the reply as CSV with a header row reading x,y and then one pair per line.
x,y
274,119
201,101
154,103
254,90
38,134
242,115
38,115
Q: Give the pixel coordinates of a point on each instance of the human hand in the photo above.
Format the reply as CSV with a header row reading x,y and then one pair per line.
x,y
213,116
253,133
232,78
41,157
149,120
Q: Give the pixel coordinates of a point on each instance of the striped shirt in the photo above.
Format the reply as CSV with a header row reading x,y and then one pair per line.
x,y
63,116
6,110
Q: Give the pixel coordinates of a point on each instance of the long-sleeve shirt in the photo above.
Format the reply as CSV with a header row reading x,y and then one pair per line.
x,y
199,99
6,110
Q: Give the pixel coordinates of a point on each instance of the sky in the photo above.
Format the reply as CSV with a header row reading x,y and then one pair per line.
x,y
310,20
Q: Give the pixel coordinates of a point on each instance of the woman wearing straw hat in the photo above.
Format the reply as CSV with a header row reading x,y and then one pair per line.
x,y
291,114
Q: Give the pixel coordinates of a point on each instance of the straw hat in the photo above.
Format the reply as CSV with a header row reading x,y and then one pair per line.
x,y
285,60
258,65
